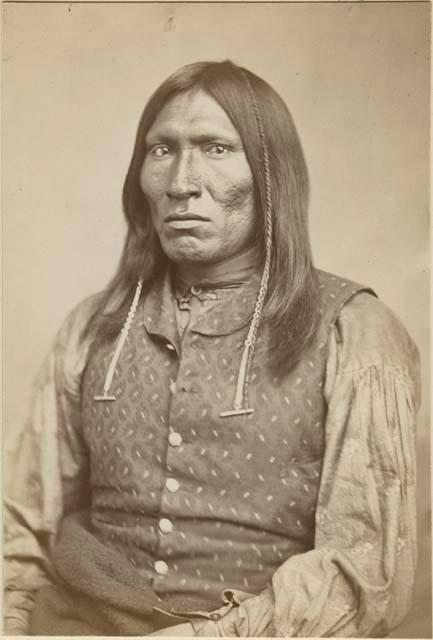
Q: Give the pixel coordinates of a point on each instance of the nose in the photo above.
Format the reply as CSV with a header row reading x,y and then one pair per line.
x,y
185,179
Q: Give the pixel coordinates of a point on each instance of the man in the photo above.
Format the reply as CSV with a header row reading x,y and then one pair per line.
x,y
222,442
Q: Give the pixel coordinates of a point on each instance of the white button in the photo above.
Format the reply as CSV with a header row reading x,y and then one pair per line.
x,y
172,485
165,525
175,439
169,346
161,567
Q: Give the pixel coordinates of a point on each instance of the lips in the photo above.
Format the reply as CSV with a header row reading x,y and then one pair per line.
x,y
186,222
179,217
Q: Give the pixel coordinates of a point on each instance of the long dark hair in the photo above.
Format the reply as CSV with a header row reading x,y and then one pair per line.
x,y
291,306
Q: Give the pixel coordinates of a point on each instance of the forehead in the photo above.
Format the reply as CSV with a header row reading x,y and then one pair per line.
x,y
192,112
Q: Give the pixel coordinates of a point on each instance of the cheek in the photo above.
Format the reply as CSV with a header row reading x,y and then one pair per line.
x,y
238,205
236,196
152,183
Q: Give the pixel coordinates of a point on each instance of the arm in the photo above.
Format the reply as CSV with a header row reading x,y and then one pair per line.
x,y
358,579
47,469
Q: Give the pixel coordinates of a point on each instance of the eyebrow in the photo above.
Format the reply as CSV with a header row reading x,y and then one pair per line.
x,y
166,137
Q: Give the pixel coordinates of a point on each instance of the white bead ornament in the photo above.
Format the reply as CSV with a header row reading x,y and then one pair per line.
x,y
106,397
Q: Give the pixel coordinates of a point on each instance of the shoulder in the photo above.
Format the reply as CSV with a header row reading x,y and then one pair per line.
x,y
335,292
337,288
65,361
77,318
71,350
370,334
364,331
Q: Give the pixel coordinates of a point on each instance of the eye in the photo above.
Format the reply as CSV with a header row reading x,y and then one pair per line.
x,y
217,150
159,150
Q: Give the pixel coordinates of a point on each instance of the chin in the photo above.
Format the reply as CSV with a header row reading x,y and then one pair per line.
x,y
188,252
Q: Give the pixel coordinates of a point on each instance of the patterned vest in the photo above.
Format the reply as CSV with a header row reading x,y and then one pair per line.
x,y
196,502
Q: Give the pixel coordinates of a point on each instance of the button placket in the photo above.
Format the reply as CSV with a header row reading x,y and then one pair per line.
x,y
171,484
175,438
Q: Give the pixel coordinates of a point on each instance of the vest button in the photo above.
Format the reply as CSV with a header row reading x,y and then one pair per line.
x,y
175,439
165,525
172,485
161,567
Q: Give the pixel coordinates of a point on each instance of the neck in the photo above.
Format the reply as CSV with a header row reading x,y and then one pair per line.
x,y
237,268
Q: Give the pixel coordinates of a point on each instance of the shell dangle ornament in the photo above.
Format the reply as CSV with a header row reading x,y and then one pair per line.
x,y
105,396
241,397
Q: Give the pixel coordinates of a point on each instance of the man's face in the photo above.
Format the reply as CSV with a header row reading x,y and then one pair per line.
x,y
198,182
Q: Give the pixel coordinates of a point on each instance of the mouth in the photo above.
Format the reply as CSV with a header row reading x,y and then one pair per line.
x,y
178,217
184,220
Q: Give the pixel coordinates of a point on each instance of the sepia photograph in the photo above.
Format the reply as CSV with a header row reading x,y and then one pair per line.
x,y
216,319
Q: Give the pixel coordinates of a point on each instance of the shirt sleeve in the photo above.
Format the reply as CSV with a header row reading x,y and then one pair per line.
x,y
358,579
51,458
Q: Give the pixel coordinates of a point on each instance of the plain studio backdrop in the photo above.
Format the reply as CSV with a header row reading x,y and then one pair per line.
x,y
75,80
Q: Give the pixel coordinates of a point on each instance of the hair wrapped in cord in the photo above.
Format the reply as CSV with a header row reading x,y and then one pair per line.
x,y
241,396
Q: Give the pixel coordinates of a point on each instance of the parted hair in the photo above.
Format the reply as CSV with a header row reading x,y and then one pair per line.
x,y
291,306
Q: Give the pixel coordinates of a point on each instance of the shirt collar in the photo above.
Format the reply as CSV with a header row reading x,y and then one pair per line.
x,y
223,316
